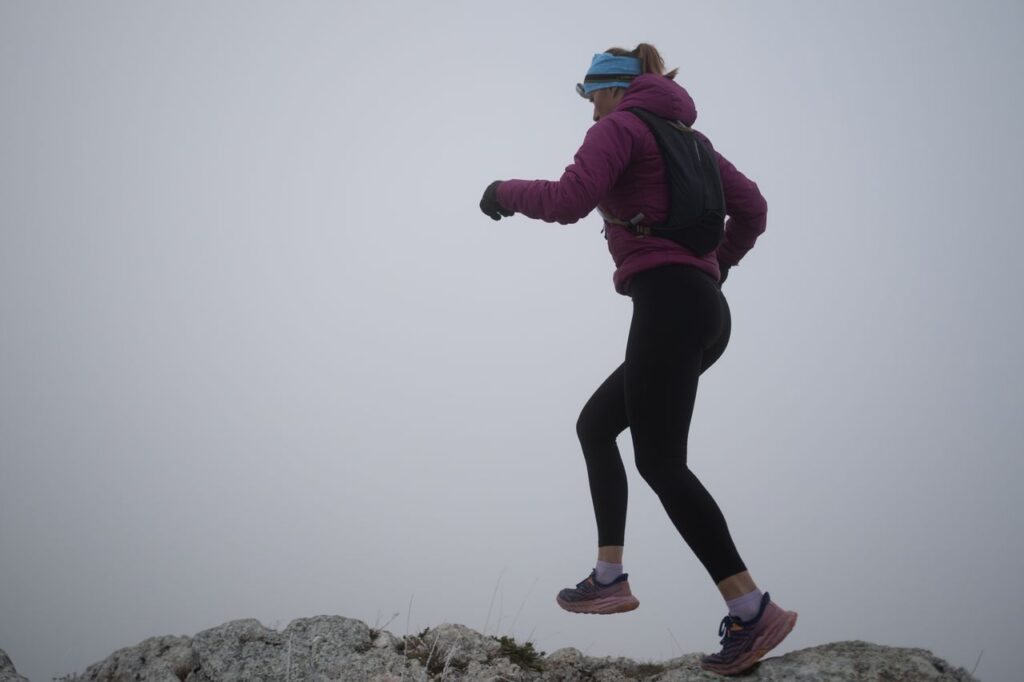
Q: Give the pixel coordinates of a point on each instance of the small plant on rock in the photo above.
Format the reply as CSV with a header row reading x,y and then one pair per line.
x,y
523,655
644,670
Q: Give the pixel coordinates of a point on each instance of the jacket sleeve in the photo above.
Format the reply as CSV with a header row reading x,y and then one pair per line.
x,y
598,164
747,213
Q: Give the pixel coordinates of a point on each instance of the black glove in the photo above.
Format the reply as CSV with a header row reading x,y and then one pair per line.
x,y
489,204
724,269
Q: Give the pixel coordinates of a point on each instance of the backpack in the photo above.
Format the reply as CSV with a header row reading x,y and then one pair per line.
x,y
697,204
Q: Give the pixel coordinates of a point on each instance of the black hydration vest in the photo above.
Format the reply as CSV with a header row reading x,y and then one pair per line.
x,y
697,204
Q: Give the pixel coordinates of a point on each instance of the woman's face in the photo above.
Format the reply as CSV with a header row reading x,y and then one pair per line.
x,y
605,100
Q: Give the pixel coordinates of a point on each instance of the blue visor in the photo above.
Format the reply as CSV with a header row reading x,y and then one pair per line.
x,y
608,71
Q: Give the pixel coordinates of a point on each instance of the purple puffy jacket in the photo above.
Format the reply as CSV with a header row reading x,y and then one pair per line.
x,y
620,167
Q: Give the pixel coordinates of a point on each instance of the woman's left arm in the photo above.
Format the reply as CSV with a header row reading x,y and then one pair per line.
x,y
606,152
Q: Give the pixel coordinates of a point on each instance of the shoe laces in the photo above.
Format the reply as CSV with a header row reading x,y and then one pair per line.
x,y
732,635
587,585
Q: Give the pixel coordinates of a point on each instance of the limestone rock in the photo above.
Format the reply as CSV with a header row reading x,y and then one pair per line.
x,y
7,671
333,648
455,646
157,659
383,639
857,660
239,650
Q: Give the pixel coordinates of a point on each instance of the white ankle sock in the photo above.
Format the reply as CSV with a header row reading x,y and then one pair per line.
x,y
607,572
747,606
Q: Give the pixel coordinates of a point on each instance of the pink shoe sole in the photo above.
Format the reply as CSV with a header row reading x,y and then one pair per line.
x,y
602,606
764,643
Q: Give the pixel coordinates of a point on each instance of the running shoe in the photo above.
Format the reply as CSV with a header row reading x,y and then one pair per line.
x,y
745,642
590,596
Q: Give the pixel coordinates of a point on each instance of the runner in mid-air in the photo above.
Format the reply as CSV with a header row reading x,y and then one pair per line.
x,y
680,327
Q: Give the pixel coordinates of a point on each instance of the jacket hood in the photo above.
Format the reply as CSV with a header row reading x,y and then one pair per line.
x,y
661,96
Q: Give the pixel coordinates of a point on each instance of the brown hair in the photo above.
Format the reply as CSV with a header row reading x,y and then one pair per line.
x,y
650,59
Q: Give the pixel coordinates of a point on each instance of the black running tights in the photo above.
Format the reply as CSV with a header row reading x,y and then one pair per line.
x,y
680,327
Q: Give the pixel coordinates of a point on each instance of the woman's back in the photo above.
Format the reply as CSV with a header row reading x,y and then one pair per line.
x,y
619,167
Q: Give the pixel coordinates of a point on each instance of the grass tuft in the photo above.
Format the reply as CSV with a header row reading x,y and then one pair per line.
x,y
644,670
523,655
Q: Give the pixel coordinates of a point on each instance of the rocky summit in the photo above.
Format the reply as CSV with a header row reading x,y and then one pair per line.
x,y
329,648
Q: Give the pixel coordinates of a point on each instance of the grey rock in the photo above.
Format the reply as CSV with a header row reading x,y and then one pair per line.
x,y
857,660
240,650
456,646
333,648
318,649
159,659
569,665
7,671
384,640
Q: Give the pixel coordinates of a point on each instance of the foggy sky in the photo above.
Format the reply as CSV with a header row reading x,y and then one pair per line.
x,y
261,355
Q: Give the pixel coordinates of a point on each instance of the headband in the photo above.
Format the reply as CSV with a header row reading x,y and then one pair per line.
x,y
608,71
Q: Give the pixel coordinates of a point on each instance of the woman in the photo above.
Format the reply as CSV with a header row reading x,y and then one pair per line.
x,y
680,327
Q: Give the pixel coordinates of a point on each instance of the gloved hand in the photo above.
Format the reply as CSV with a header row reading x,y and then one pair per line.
x,y
489,204
724,269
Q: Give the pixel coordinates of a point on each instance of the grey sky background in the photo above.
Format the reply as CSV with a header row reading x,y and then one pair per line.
x,y
262,356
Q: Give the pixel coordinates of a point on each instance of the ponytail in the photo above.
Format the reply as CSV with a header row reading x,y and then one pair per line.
x,y
650,59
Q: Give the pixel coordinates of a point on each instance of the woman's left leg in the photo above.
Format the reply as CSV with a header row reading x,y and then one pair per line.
x,y
677,315
601,420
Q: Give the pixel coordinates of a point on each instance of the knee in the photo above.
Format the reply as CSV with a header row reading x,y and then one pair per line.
x,y
649,471
585,429
659,472
592,431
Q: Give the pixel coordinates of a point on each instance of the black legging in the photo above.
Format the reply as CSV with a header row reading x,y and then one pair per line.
x,y
680,327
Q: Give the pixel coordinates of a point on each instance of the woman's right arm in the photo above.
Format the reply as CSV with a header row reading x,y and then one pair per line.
x,y
747,213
